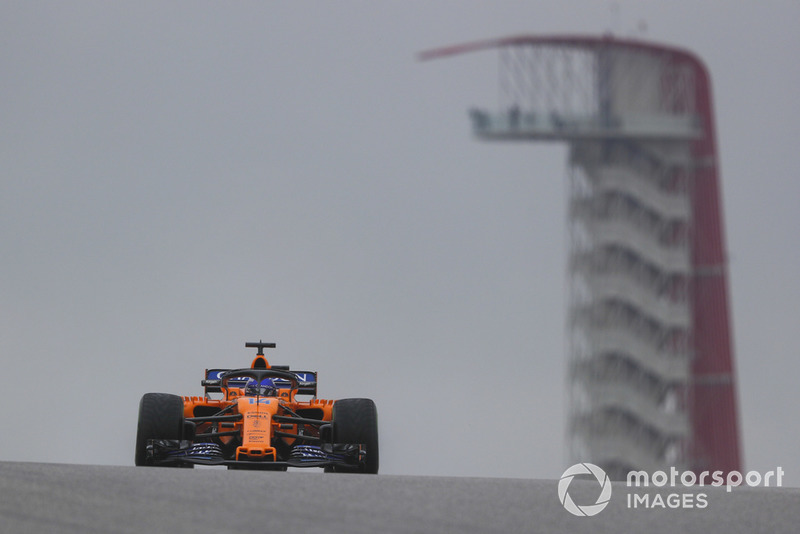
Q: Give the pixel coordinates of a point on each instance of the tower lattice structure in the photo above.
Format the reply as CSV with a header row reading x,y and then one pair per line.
x,y
651,377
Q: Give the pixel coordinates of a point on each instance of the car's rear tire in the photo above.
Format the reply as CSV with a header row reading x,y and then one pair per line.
x,y
355,421
160,417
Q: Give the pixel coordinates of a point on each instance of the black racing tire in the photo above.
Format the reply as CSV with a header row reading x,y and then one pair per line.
x,y
160,417
356,421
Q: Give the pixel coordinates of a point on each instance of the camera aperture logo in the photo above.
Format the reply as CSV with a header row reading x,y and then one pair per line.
x,y
590,509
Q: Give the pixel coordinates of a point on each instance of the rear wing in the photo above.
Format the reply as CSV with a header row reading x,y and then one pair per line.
x,y
306,380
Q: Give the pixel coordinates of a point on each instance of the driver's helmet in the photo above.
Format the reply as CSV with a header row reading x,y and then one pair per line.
x,y
266,388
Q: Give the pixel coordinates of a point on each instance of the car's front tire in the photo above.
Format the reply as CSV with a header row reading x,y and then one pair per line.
x,y
355,421
160,417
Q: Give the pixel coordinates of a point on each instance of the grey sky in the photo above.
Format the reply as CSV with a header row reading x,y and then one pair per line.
x,y
179,179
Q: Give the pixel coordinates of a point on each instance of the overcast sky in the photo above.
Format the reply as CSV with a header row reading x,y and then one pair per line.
x,y
180,178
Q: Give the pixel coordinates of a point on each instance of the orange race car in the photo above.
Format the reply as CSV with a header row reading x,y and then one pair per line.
x,y
261,417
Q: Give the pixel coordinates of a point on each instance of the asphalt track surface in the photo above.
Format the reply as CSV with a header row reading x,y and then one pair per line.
x,y
66,499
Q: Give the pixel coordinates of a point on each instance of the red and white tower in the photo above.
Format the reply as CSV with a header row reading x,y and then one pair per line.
x,y
651,375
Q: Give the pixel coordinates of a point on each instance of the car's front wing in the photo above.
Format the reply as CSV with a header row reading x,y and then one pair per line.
x,y
176,453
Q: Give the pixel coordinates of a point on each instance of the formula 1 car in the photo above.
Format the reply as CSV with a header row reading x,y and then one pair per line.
x,y
254,418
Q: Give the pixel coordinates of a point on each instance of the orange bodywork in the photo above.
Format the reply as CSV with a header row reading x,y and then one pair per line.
x,y
252,418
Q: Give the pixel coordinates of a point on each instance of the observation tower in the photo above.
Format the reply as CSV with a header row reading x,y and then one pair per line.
x,y
651,375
